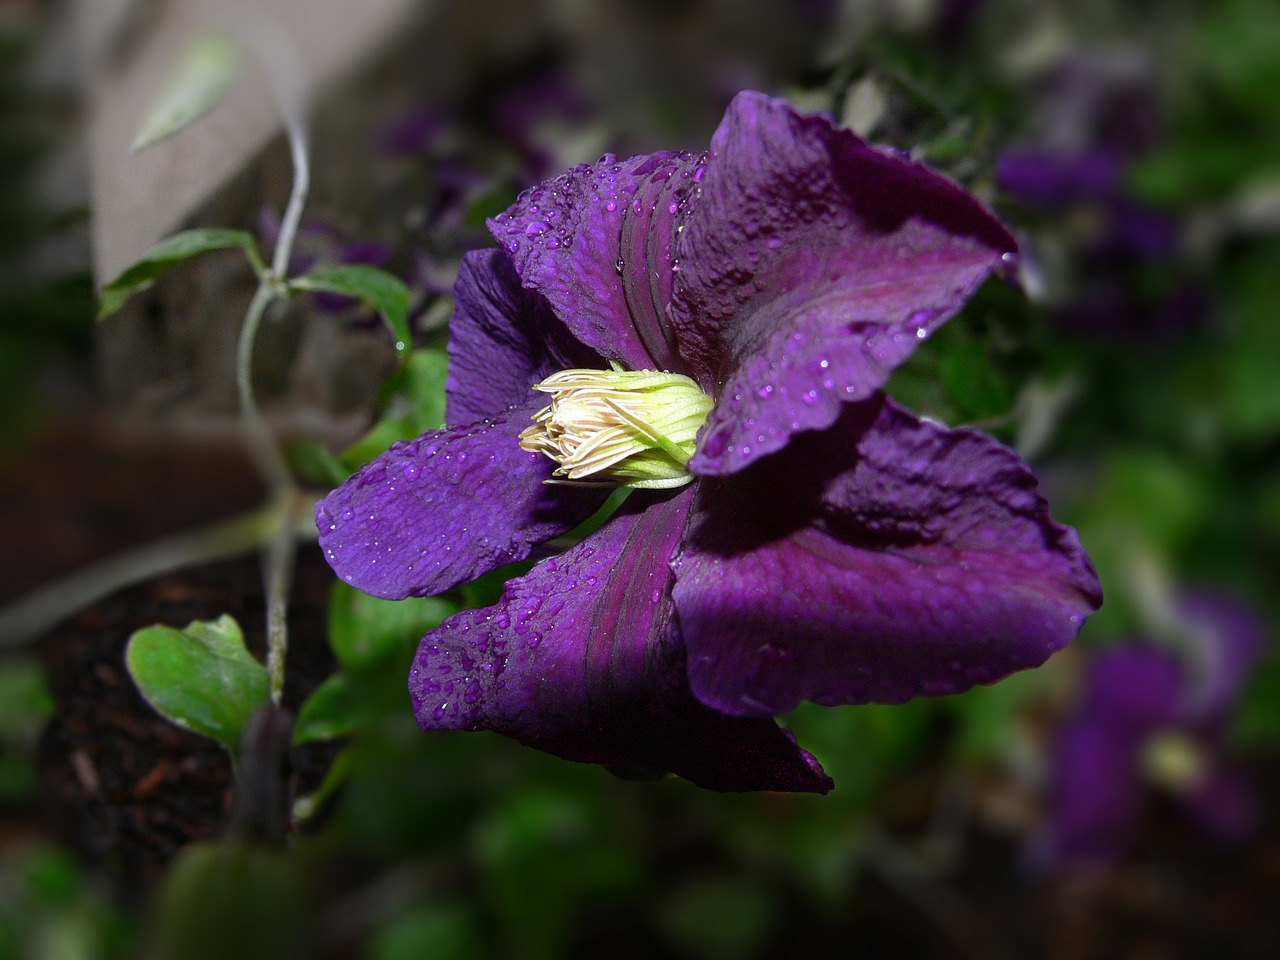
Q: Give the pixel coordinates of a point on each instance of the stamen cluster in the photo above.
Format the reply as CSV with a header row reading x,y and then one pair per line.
x,y
633,428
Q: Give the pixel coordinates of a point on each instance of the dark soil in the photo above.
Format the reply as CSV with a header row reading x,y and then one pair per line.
x,y
121,785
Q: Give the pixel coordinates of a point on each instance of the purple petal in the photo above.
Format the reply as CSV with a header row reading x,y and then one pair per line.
x,y
597,243
1097,796
579,659
441,510
885,558
502,340
1137,688
811,265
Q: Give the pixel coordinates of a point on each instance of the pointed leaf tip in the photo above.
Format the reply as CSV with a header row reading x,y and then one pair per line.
x,y
383,291
201,78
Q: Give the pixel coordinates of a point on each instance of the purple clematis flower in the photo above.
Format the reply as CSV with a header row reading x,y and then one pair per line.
x,y
1150,717
712,329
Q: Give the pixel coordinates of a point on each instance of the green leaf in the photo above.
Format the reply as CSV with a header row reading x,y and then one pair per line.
x,y
365,631
201,78
161,258
335,708
25,701
383,291
200,677
230,898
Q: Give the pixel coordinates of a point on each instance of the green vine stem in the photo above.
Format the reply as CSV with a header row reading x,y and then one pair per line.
x,y
27,618
278,524
275,54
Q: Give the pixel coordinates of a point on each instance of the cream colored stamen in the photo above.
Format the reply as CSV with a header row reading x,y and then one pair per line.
x,y
632,428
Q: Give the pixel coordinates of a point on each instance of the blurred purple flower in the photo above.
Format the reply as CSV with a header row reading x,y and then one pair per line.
x,y
1151,718
414,132
815,542
1054,179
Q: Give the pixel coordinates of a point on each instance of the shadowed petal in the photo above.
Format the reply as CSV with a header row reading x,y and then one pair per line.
x,y
811,265
883,559
440,510
502,339
579,659
597,243
1097,796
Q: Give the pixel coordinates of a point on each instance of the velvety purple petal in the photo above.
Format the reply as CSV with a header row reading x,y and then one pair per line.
x,y
810,266
1096,796
1223,805
438,511
579,658
1135,687
885,558
597,243
502,340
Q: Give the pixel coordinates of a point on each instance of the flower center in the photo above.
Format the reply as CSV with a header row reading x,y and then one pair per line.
x,y
632,428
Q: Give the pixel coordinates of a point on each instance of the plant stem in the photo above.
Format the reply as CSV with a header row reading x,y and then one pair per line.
x,y
277,58
37,612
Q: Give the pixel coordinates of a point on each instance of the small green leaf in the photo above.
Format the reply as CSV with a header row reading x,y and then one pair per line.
x,y
335,708
383,291
166,254
200,677
201,78
414,401
365,631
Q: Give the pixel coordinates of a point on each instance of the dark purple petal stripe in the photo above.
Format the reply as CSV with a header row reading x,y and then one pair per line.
x,y
886,558
811,265
567,240
441,510
502,339
577,659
